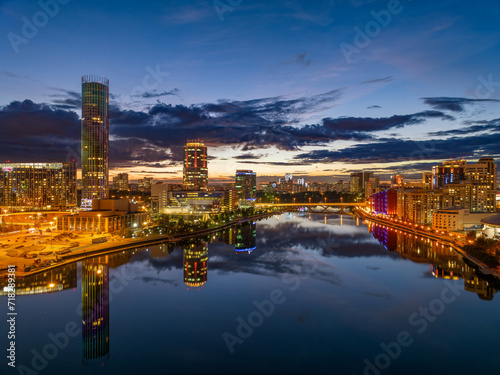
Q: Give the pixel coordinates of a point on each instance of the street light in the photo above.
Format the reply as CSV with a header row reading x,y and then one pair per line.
x,y
51,233
99,223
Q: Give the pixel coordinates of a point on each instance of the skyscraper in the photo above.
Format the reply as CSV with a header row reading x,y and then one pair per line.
x,y
195,176
246,184
95,139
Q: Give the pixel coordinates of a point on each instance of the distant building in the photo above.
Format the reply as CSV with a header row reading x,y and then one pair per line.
x,y
397,181
246,186
145,184
95,139
450,172
358,181
120,182
38,186
420,204
195,176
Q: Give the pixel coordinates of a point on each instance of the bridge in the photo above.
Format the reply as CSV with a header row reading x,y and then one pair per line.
x,y
315,207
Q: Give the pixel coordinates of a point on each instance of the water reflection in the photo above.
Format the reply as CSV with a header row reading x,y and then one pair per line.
x,y
246,237
95,311
445,262
195,264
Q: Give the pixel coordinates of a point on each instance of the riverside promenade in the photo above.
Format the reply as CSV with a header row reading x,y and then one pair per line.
x,y
117,244
454,242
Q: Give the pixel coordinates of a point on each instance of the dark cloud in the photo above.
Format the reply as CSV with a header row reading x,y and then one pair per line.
x,y
386,79
453,104
373,107
37,132
475,127
248,156
156,94
397,150
370,124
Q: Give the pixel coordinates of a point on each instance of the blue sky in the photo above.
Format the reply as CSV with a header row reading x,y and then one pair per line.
x,y
268,85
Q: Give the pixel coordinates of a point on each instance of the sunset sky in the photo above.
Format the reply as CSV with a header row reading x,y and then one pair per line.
x,y
321,88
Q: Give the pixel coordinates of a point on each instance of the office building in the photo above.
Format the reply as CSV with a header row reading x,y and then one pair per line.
x,y
120,182
95,139
246,186
195,176
37,186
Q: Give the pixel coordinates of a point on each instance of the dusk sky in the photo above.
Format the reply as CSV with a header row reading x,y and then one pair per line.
x,y
321,88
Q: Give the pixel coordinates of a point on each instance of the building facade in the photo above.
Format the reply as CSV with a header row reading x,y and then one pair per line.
x,y
451,219
482,176
95,139
450,172
195,173
246,185
37,186
120,182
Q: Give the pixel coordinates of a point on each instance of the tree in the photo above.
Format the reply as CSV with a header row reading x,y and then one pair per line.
x,y
471,235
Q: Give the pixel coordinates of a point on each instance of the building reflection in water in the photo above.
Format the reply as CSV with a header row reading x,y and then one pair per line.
x,y
445,262
246,237
54,280
95,310
195,264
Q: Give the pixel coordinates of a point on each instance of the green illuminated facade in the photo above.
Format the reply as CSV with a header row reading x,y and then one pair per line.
x,y
246,184
95,138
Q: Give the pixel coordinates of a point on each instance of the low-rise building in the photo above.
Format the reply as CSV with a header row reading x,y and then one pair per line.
x,y
449,219
106,216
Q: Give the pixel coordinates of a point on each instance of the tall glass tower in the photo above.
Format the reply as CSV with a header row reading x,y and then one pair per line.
x,y
95,139
195,176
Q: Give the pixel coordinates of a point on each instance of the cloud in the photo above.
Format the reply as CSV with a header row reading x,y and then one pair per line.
x,y
248,156
156,94
299,59
453,104
397,150
378,80
492,126
373,107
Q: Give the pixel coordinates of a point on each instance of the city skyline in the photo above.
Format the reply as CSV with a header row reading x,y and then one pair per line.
x,y
324,96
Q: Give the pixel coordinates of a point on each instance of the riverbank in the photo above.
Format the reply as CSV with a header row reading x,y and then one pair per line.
x,y
121,244
456,244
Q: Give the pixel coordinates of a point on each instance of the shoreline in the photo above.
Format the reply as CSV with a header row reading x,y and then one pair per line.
x,y
480,266
111,247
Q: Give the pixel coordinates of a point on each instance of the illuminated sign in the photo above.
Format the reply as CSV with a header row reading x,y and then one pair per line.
x,y
7,169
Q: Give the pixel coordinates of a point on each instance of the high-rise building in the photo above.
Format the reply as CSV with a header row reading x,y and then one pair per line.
x,y
195,176
246,185
38,186
120,182
482,176
246,237
95,139
450,172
